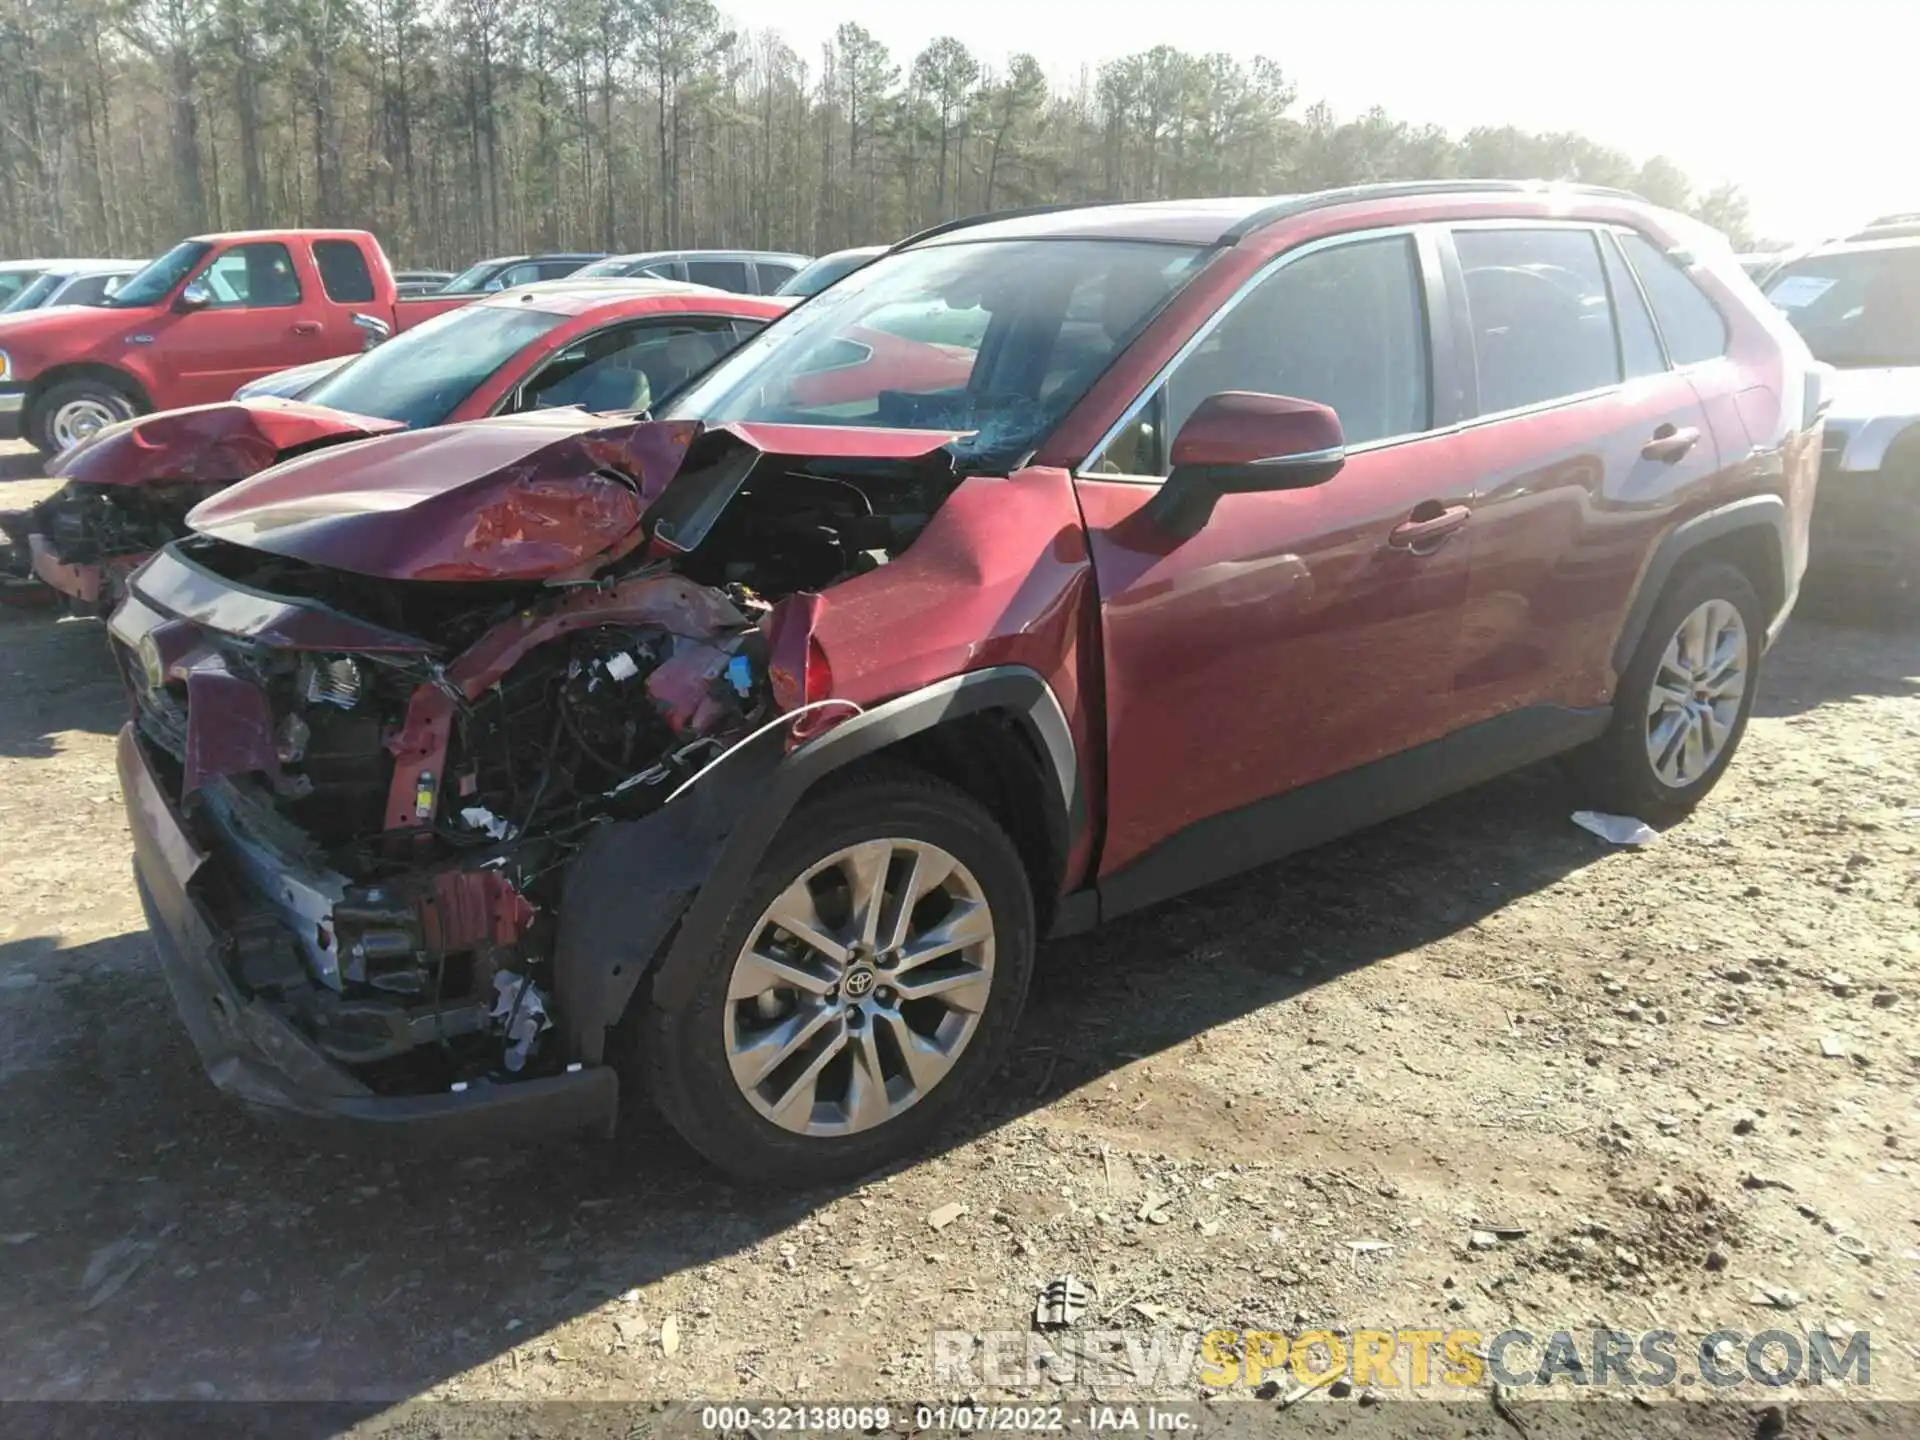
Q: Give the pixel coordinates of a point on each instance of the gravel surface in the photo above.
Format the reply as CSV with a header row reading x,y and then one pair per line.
x,y
1671,1087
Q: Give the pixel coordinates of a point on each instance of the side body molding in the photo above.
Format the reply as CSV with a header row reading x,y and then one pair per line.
x,y
679,871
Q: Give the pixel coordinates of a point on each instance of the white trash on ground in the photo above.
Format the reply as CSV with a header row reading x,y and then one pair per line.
x,y
1616,829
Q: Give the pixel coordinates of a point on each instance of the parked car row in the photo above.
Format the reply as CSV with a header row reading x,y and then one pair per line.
x,y
741,744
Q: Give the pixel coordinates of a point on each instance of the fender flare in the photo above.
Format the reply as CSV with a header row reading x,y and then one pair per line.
x,y
679,871
1765,513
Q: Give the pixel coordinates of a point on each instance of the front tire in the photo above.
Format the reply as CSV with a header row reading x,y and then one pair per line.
x,y
1683,701
75,410
867,983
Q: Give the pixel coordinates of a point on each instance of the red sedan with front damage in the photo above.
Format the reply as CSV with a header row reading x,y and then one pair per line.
x,y
750,752
603,345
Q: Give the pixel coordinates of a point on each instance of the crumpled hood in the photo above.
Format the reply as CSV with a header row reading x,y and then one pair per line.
x,y
208,444
549,494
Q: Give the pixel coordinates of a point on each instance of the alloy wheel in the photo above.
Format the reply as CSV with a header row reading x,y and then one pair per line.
x,y
1696,694
859,987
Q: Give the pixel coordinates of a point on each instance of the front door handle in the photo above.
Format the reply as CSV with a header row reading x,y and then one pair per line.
x,y
306,327
1669,443
1429,526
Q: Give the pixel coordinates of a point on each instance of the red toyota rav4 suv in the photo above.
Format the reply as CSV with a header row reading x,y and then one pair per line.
x,y
748,752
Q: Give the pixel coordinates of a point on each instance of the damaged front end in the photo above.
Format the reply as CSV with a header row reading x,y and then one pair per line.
x,y
129,488
365,756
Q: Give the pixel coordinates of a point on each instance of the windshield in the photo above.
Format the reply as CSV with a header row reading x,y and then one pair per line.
x,y
1857,309
35,295
13,283
998,338
822,273
420,375
473,279
156,282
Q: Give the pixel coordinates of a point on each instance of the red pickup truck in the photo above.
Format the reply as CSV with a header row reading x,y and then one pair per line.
x,y
209,315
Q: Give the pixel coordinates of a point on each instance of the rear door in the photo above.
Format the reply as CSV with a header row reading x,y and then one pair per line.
x,y
1585,439
1301,635
259,317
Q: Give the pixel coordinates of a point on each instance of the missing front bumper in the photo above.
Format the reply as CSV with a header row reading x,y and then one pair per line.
x,y
257,1058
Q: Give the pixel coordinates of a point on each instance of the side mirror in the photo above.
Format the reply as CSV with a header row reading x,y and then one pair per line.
x,y
195,297
373,330
1237,443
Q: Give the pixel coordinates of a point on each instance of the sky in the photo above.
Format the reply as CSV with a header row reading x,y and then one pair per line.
x,y
1812,109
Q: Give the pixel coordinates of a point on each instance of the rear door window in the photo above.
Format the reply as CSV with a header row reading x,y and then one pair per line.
x,y
721,274
1639,342
1690,323
1542,324
343,272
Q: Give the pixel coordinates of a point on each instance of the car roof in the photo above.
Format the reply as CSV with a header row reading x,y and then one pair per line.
x,y
94,267
573,296
1223,220
1850,247
701,254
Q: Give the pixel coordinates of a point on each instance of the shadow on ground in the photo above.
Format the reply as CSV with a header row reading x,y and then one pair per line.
x,y
159,1244
56,674
139,1208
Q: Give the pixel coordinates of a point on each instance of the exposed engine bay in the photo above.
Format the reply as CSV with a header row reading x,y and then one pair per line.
x,y
100,525
396,817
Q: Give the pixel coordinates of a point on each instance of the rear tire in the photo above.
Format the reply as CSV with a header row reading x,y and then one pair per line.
x,y
1677,719
74,410
811,1119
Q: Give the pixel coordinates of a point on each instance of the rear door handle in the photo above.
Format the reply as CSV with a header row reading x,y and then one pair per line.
x,y
1424,534
1669,443
306,327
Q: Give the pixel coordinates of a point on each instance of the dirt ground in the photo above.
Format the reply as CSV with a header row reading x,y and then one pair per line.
x,y
1679,1082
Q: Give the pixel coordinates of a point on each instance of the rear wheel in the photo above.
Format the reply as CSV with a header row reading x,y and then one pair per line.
x,y
77,410
867,983
1683,703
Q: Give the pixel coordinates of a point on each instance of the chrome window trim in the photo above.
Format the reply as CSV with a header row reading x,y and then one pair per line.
x,y
1247,287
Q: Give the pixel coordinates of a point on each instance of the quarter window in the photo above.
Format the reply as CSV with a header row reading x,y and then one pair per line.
x,y
343,272
1689,321
1537,305
256,276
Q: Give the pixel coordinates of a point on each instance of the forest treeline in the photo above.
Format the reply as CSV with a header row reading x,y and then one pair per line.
x,y
455,128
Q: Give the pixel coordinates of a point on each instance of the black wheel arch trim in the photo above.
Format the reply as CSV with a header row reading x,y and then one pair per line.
x,y
649,896
1767,513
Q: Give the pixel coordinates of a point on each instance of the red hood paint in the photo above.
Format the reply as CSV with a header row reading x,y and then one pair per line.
x,y
531,497
209,444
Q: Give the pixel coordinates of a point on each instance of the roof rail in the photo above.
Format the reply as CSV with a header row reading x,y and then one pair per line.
x,y
967,221
1405,189
1290,205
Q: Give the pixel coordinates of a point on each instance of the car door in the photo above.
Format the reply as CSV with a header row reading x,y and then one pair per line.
x,y
253,322
1300,635
1584,440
